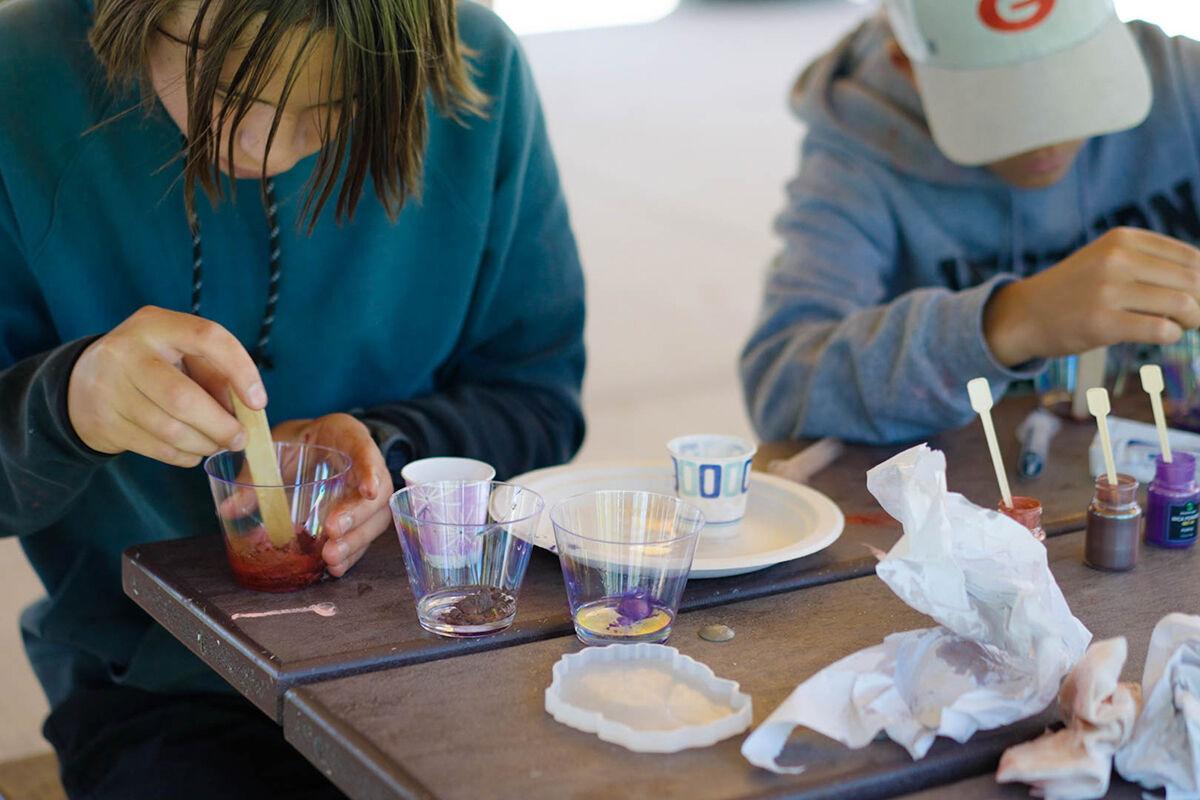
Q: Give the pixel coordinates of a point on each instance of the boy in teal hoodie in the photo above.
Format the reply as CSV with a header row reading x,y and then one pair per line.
x,y
984,185
386,256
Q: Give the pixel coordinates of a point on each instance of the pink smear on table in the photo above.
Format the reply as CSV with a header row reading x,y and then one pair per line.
x,y
872,518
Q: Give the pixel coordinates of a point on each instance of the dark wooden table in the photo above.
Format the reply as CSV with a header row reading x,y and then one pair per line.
x,y
475,726
984,787
186,585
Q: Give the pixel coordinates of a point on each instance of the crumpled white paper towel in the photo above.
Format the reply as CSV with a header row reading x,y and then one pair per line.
x,y
1165,748
1006,641
1075,763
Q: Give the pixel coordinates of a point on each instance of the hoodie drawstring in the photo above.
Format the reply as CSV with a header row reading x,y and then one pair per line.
x,y
275,271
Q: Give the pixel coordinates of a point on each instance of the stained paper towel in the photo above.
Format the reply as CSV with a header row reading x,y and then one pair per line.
x,y
1075,763
1165,748
1007,637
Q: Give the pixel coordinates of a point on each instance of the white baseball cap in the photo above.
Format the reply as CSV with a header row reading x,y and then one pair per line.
x,y
1002,77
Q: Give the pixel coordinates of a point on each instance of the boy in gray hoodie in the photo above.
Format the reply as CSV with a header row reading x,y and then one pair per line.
x,y
984,185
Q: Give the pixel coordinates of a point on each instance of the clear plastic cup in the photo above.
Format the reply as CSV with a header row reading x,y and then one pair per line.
x,y
466,546
314,479
625,558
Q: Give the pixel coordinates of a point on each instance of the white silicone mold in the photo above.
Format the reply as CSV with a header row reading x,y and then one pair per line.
x,y
648,698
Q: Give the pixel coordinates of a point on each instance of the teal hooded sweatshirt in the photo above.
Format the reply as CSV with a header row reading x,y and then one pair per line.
x,y
456,329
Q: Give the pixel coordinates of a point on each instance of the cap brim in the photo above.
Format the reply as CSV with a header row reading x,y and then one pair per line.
x,y
1096,87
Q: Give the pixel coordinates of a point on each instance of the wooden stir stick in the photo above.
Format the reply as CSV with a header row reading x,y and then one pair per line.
x,y
264,473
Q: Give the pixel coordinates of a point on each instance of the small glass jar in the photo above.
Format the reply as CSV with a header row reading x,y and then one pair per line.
x,y
1114,525
1028,512
1173,503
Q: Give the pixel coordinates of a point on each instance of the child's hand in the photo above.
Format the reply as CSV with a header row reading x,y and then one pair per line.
x,y
1129,285
363,512
130,389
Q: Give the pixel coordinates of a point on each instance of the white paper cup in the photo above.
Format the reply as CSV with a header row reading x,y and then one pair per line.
x,y
449,490
712,472
440,470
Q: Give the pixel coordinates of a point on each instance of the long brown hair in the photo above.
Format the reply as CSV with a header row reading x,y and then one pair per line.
x,y
386,55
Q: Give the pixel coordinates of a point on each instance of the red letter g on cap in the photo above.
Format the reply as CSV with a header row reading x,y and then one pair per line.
x,y
1014,15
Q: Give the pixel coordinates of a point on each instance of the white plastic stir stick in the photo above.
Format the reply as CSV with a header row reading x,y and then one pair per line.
x,y
981,400
1097,400
1152,382
1090,368
808,462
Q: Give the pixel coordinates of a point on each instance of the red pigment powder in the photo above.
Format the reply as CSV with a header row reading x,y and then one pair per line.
x,y
259,565
872,518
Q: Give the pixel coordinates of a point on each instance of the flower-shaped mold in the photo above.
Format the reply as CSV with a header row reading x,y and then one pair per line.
x,y
648,698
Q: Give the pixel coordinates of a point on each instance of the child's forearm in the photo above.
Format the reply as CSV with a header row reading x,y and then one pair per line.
x,y
883,374
44,466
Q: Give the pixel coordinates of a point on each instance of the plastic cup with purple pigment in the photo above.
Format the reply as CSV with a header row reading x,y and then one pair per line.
x,y
625,558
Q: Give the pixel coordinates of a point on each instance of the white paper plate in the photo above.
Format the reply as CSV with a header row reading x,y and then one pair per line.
x,y
783,521
646,697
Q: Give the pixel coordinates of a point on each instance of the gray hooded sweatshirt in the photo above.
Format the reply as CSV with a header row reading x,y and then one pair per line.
x,y
872,319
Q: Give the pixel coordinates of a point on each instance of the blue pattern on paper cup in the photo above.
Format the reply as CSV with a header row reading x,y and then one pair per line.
x,y
714,473
710,481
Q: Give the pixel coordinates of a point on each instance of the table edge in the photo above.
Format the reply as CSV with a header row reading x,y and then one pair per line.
x,y
376,775
152,595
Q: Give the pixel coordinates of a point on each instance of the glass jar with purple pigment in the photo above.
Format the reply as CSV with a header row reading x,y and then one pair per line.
x,y
1114,525
1173,503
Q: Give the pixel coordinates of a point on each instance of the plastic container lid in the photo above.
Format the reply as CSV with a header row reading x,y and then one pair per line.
x,y
648,698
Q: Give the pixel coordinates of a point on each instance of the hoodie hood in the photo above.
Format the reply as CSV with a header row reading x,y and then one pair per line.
x,y
853,98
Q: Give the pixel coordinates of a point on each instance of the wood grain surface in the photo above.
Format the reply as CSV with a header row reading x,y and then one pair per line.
x,y
186,586
475,726
984,787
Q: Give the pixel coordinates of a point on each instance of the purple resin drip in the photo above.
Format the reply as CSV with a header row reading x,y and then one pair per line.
x,y
635,606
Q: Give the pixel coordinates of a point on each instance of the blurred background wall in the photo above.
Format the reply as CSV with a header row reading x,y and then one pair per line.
x,y
673,136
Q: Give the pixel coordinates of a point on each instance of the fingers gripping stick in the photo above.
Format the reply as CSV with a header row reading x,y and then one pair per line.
x,y
264,472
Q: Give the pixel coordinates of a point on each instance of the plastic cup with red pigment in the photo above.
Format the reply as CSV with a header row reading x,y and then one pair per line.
x,y
314,479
